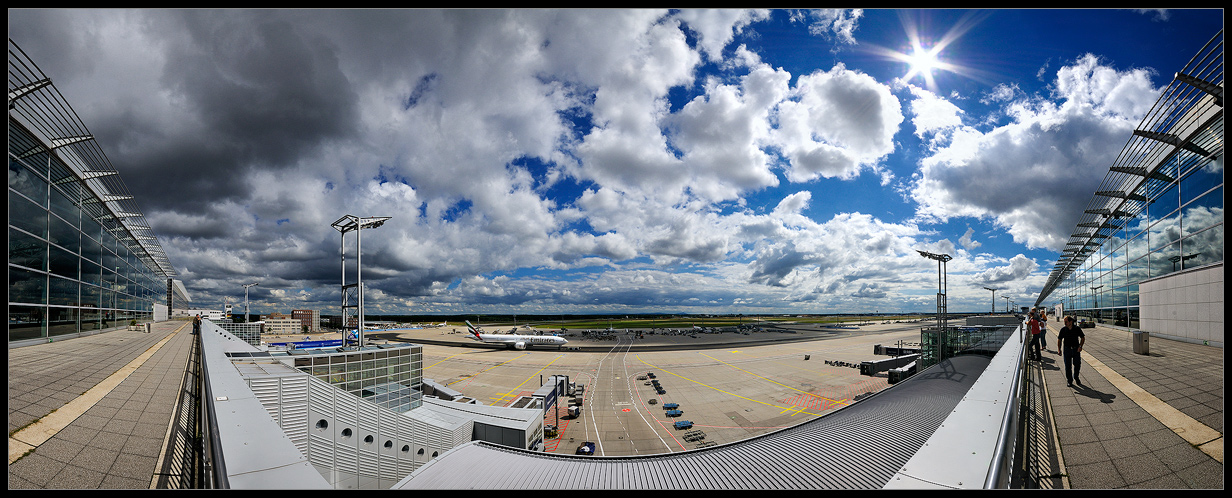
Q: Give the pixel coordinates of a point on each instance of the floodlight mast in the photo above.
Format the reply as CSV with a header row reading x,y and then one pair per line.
x,y
941,285
246,286
346,224
994,300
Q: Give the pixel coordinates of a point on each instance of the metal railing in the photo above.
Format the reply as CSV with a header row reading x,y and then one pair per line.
x,y
1006,471
213,465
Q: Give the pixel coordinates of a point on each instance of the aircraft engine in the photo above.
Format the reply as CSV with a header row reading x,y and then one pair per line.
x,y
519,345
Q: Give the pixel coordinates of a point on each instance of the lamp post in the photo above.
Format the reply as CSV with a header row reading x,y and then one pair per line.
x,y
993,308
941,305
1007,303
346,224
246,286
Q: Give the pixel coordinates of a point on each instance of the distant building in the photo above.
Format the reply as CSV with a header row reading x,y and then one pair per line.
x,y
283,326
309,318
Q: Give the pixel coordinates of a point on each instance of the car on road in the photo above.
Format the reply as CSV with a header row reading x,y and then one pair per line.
x,y
586,448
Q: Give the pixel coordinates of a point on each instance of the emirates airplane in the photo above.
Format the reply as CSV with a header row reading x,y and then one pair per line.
x,y
516,341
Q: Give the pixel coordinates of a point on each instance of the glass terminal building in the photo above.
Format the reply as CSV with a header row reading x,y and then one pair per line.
x,y
1147,252
81,255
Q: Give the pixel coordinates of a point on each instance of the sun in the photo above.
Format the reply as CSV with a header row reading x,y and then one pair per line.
x,y
922,62
924,56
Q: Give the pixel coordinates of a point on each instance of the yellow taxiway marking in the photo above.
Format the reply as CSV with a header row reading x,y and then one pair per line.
x,y
770,380
639,358
518,388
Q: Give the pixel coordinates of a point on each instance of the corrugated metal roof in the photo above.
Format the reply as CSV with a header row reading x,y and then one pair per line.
x,y
857,447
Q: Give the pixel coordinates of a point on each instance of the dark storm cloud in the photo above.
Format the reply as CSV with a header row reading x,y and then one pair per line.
x,y
236,90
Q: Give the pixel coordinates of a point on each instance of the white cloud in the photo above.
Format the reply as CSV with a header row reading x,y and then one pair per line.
x,y
715,27
833,24
837,123
1032,174
966,240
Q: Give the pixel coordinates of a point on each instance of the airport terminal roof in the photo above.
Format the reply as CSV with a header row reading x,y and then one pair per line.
x,y
860,446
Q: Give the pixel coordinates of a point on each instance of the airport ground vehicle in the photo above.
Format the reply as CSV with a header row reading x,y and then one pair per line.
x,y
683,424
671,406
586,448
673,413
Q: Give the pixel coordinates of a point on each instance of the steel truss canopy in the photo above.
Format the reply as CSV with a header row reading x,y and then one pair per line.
x,y
36,105
1174,130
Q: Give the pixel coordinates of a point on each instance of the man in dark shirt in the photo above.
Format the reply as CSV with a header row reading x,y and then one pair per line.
x,y
1070,341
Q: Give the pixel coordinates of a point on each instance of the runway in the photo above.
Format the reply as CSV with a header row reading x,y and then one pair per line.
x,y
731,386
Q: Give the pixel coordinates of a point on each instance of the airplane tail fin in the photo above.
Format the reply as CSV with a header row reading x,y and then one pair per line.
x,y
474,331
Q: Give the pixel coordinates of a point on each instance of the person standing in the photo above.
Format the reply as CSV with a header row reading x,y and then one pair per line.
x,y
1044,329
1034,347
196,324
1070,341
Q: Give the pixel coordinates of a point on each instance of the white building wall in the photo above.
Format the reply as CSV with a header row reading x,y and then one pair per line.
x,y
339,447
1186,305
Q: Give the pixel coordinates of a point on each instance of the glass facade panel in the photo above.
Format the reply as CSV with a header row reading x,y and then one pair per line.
x,y
27,215
1200,181
1204,248
1164,231
63,262
1166,260
59,232
26,182
61,320
27,287
1203,212
62,291
65,208
27,322
27,251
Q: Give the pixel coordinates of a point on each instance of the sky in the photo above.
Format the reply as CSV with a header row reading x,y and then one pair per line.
x,y
613,161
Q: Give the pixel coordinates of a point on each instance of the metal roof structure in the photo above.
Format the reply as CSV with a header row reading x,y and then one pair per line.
x,y
860,446
1178,129
36,103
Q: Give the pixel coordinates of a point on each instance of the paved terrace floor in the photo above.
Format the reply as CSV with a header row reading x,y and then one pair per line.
x,y
1138,421
94,412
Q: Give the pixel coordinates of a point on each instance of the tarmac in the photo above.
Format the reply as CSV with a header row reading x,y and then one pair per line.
x,y
97,412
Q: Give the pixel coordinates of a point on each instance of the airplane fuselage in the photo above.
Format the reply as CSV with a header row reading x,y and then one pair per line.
x,y
516,341
522,341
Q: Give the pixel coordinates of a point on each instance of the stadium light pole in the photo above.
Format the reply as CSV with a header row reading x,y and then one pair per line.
x,y
346,224
246,286
994,300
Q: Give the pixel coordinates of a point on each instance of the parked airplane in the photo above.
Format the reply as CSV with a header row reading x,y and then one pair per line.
x,y
516,341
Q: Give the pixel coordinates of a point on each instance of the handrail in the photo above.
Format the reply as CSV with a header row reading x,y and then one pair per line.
x,y
211,451
1005,450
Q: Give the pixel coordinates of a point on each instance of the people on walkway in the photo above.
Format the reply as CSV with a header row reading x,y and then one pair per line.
x,y
1034,347
196,324
1070,341
1043,329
